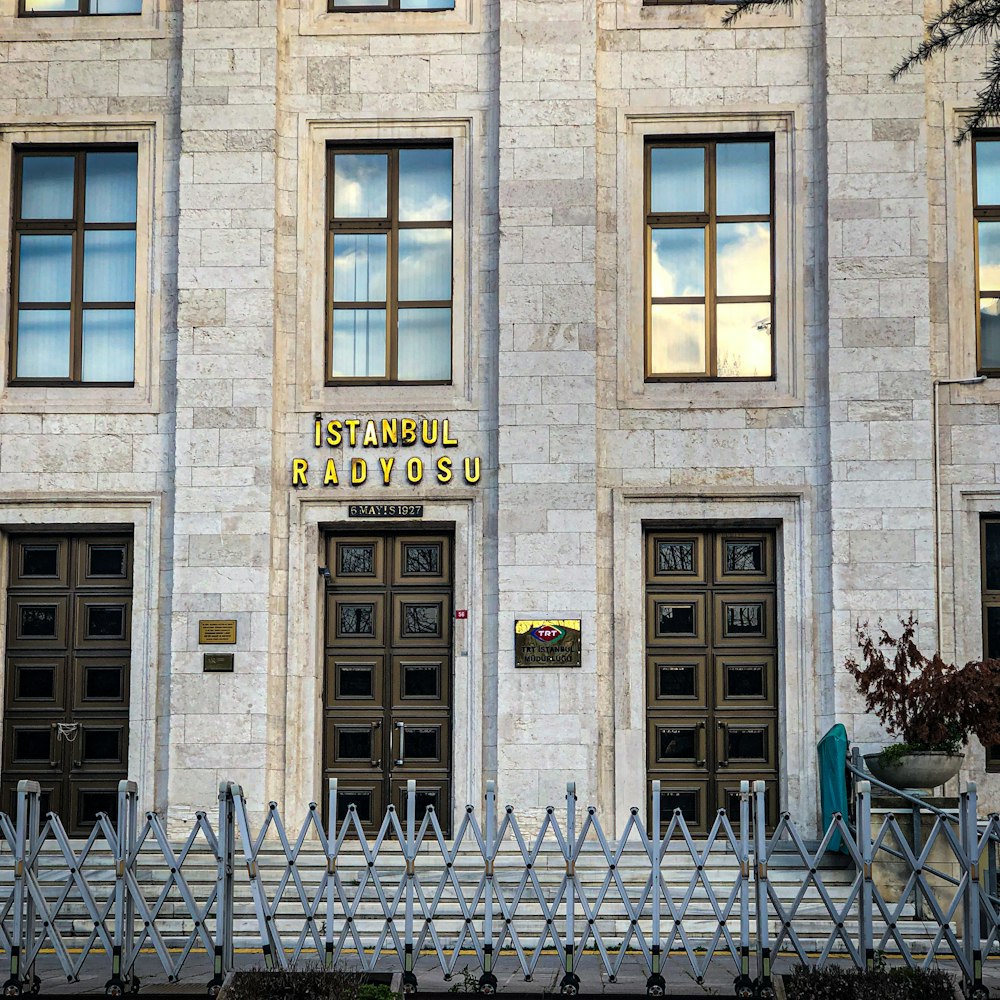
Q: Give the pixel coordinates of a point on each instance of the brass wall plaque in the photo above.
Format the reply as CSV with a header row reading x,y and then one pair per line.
x,y
217,663
216,633
547,643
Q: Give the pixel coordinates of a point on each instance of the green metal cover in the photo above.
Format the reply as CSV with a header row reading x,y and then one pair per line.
x,y
832,751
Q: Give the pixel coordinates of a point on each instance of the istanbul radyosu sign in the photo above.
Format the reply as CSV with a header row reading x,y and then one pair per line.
x,y
370,435
547,643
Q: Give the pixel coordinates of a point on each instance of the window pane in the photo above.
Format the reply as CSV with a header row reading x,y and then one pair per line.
x,y
110,190
424,353
358,343
993,633
48,6
359,267
108,345
116,6
43,343
109,266
992,532
989,332
744,339
677,180
374,4
743,258
989,255
987,172
47,183
424,265
424,183
743,178
677,339
360,185
427,5
677,266
45,272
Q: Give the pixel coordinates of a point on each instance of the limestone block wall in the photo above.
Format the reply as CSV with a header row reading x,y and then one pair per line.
x,y
880,365
222,484
547,530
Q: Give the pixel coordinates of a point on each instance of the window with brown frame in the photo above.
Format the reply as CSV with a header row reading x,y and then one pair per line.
x,y
374,6
990,527
69,8
73,265
986,213
389,264
709,208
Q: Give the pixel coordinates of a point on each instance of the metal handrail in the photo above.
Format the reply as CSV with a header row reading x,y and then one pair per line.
x,y
919,805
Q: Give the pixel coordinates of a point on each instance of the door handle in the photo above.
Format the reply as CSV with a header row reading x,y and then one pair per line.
x,y
375,761
401,759
724,762
700,762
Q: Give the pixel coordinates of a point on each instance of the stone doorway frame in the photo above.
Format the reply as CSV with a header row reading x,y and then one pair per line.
x,y
799,662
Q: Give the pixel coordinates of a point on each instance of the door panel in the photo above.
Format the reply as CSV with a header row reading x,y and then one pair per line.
x,y
388,671
67,672
711,668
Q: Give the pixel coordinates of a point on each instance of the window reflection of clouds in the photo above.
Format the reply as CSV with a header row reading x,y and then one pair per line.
x,y
359,267
988,172
989,332
360,186
358,343
677,344
425,185
677,181
989,256
743,178
744,339
744,258
424,264
678,264
425,345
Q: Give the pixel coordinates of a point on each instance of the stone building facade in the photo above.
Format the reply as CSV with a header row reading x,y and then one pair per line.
x,y
853,467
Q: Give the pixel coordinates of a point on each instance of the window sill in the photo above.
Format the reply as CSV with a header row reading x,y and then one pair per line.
x,y
80,27
315,19
698,14
708,395
76,399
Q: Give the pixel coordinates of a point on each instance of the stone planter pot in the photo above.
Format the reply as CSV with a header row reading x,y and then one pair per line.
x,y
918,771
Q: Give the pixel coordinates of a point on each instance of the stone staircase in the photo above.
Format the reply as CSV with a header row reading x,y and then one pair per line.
x,y
786,872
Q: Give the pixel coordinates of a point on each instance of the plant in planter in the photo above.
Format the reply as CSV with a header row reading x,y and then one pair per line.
x,y
931,706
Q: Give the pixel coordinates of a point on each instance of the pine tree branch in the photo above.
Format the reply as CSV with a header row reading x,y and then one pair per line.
x,y
742,7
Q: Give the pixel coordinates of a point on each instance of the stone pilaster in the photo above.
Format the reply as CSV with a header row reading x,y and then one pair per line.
x,y
224,378
547,454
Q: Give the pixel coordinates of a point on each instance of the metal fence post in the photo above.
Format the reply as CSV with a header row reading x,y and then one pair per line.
x,y
23,931
223,961
744,983
765,988
655,985
331,870
570,982
973,941
410,854
124,845
864,834
488,981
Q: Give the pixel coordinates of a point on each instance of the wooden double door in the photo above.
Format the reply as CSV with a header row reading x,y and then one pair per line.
x,y
388,672
711,669
67,660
